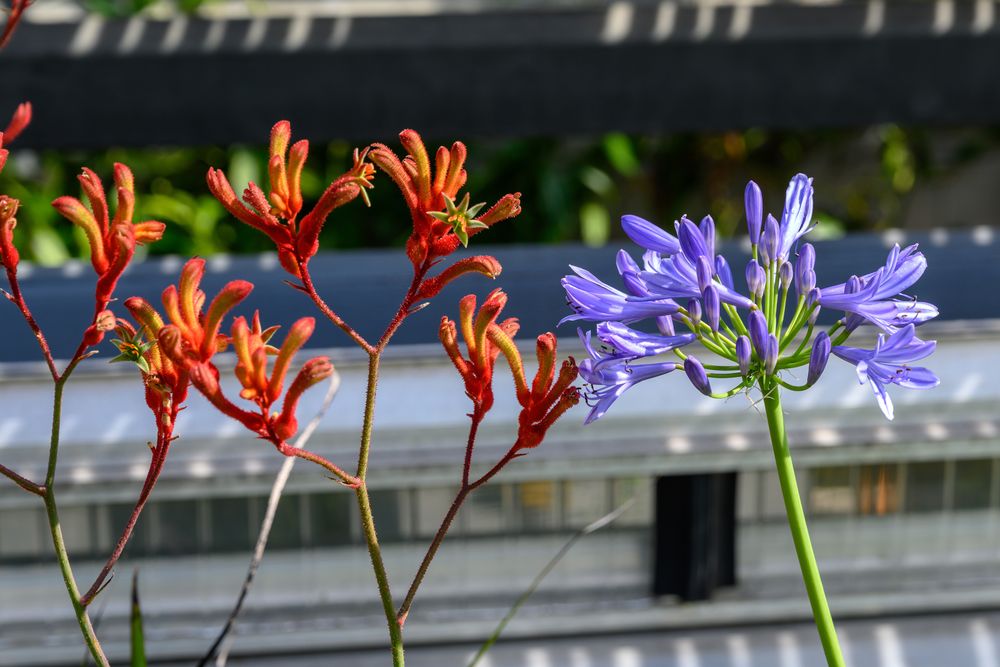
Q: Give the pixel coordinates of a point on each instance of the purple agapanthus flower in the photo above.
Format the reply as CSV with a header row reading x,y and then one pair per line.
x,y
609,374
682,282
890,363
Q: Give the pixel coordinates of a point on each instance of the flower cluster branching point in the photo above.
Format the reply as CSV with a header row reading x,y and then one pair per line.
x,y
760,336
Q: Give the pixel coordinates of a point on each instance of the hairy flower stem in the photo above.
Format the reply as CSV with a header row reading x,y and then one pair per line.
x,y
797,524
52,512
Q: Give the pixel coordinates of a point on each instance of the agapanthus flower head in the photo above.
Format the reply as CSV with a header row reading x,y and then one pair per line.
x,y
276,212
442,218
757,338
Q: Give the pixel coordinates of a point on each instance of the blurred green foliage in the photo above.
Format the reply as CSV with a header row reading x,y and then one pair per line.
x,y
121,8
572,189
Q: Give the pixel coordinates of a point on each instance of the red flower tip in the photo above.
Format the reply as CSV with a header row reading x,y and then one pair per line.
x,y
484,264
9,257
20,120
313,372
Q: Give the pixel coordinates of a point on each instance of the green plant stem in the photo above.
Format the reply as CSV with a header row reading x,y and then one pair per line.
x,y
368,520
797,524
52,512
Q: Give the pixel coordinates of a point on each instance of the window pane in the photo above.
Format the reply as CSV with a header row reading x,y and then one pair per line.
x,y
539,505
973,480
286,532
830,490
485,511
925,487
77,529
230,524
878,489
641,512
388,521
117,517
331,519
178,527
586,501
432,505
21,532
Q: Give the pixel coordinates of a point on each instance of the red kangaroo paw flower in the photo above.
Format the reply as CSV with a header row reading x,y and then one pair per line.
x,y
314,371
9,257
484,264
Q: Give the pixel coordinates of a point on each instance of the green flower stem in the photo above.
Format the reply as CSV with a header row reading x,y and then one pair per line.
x,y
734,317
799,318
368,519
797,524
52,512
805,340
781,312
710,367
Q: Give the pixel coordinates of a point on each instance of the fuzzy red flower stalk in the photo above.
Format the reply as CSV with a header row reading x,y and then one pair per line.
x,y
542,403
441,218
166,387
112,240
276,212
14,14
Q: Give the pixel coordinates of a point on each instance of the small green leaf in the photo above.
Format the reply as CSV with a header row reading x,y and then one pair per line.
x,y
137,635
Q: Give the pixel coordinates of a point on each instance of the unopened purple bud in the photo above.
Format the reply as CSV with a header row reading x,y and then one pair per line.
x,y
711,298
704,273
805,269
665,325
723,271
770,239
812,296
696,373
814,315
817,360
771,358
758,333
754,201
756,278
743,353
707,227
853,285
694,311
785,275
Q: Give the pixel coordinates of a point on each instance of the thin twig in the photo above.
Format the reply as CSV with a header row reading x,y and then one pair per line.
x,y
277,488
605,520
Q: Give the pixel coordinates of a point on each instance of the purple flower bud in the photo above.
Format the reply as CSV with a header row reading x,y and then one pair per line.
x,y
711,298
754,201
812,296
785,275
696,373
853,285
665,325
691,239
817,360
769,240
694,311
707,227
704,273
758,333
805,269
723,271
743,354
771,358
756,278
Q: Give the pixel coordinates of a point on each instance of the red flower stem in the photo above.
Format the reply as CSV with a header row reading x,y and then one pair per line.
x,y
164,437
456,504
328,312
18,299
23,482
339,473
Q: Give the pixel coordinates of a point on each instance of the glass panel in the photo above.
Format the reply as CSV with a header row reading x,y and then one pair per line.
x,y
22,532
925,486
432,505
641,511
973,480
178,526
586,501
286,532
485,511
331,519
878,489
117,517
388,520
77,529
830,491
539,505
230,525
